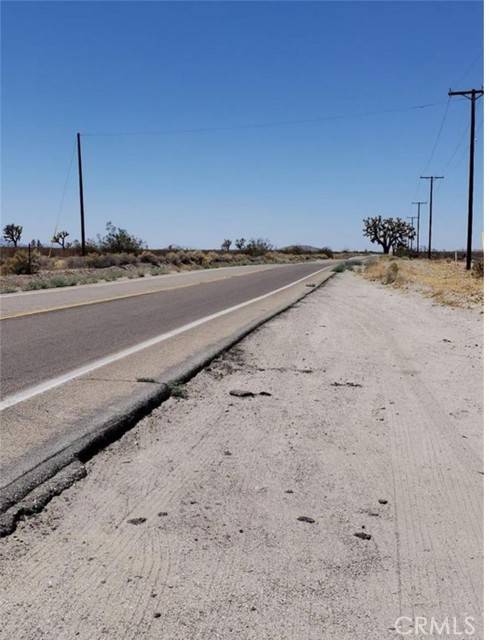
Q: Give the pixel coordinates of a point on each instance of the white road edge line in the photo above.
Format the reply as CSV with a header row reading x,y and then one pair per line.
x,y
36,390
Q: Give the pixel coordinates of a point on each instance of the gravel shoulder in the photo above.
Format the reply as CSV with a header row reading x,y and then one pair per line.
x,y
366,419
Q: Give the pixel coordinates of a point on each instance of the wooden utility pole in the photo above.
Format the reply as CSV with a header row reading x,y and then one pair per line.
x,y
80,185
412,219
472,95
419,203
431,178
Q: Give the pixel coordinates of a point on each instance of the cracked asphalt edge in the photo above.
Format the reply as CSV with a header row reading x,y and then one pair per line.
x,y
32,491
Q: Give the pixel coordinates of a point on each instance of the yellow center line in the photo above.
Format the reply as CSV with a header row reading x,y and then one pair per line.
x,y
87,303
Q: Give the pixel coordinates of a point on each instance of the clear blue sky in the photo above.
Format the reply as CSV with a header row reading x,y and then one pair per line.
x,y
114,67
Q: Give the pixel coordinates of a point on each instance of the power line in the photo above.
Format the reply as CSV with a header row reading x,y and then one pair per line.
x,y
259,125
438,136
469,67
65,186
460,142
444,117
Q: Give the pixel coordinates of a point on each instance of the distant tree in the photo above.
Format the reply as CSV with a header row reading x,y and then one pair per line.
x,y
258,246
60,238
240,243
327,252
12,233
226,245
388,232
119,240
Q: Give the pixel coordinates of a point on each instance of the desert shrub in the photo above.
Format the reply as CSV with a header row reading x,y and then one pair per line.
x,y
62,281
352,263
270,256
199,258
258,247
149,258
34,285
158,271
76,262
172,257
391,273
339,268
97,261
125,258
46,262
185,257
478,269
327,252
119,240
20,263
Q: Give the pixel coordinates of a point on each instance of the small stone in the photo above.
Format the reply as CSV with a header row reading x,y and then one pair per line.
x,y
306,519
241,393
163,513
289,491
228,453
136,520
383,501
157,615
362,535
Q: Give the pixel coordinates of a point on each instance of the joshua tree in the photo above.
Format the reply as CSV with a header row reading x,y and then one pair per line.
x,y
388,232
60,238
12,233
240,243
226,245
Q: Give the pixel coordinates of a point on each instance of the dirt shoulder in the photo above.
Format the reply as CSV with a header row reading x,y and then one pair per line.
x,y
446,281
366,419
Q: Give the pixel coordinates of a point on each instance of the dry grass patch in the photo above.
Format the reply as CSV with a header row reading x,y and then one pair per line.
x,y
447,282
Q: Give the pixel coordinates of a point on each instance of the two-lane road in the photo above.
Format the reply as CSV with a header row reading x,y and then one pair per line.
x,y
45,335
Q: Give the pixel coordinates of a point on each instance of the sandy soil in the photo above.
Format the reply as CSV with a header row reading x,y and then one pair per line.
x,y
189,527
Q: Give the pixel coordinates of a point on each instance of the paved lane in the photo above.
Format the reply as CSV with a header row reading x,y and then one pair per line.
x,y
38,347
16,304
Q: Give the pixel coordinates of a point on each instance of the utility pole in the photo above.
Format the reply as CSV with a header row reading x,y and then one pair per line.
x,y
412,218
80,185
419,203
431,178
472,95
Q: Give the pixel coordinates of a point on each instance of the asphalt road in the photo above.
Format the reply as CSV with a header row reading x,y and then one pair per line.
x,y
38,347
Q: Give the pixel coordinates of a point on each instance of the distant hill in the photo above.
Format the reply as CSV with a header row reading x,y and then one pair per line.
x,y
301,248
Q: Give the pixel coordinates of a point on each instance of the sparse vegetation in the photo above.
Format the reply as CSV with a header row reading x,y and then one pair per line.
x,y
178,391
23,262
445,281
61,270
119,240
339,268
258,247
